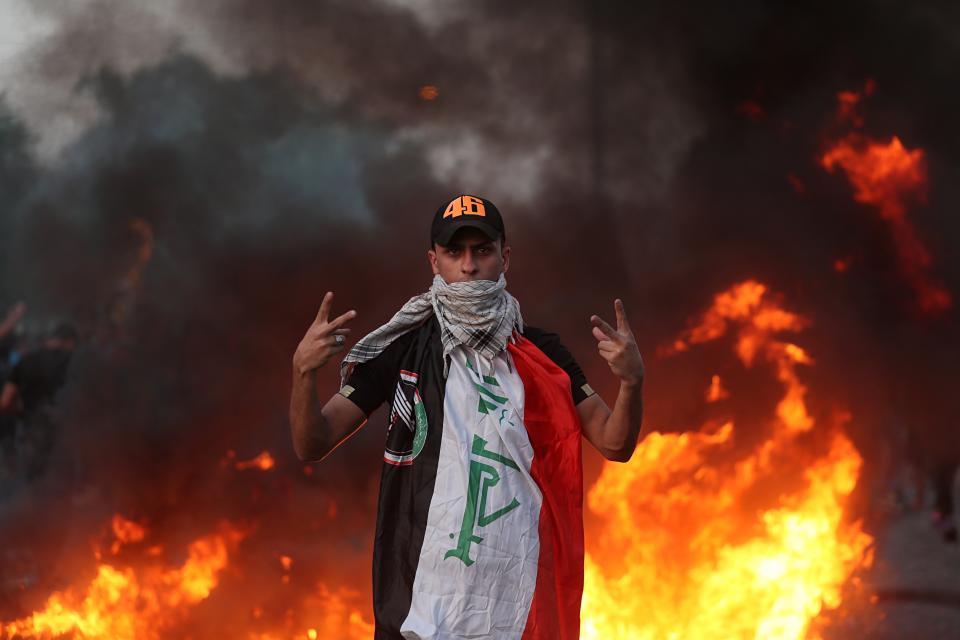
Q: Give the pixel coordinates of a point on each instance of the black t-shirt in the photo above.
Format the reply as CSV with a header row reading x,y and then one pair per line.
x,y
373,382
39,375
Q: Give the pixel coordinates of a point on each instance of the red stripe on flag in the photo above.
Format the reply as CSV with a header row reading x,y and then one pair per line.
x,y
554,430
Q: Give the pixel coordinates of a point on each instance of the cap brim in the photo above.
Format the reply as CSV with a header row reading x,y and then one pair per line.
x,y
443,238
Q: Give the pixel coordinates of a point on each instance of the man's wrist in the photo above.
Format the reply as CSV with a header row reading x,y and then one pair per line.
x,y
307,373
632,384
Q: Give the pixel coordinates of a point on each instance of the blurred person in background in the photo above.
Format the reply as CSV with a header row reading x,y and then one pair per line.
x,y
30,393
9,337
944,481
9,355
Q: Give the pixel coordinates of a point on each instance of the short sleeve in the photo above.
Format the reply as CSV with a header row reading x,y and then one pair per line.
x,y
551,346
370,383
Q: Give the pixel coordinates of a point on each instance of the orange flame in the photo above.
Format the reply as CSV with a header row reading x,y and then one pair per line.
x,y
331,614
124,297
340,617
699,543
716,391
127,604
263,462
428,92
888,176
126,532
848,101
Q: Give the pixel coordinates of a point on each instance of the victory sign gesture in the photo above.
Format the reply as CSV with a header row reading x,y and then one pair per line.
x,y
618,346
324,339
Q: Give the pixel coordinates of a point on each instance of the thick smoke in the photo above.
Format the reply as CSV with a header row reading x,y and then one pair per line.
x,y
279,150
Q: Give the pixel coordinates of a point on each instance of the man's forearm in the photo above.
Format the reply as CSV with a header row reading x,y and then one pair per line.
x,y
307,424
622,429
8,398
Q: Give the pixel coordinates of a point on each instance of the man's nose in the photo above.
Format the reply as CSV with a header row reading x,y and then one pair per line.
x,y
468,265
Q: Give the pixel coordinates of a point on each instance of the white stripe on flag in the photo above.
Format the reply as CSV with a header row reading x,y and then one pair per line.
x,y
477,571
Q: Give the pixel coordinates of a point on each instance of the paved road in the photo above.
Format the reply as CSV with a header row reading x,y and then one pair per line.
x,y
916,578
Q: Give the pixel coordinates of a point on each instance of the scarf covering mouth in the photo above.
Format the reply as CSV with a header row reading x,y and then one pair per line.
x,y
480,314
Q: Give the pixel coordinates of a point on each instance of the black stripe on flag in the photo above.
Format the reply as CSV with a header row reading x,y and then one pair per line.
x,y
405,494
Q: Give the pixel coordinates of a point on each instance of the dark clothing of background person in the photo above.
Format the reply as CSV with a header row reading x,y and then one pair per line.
x,y
8,420
7,345
943,478
39,376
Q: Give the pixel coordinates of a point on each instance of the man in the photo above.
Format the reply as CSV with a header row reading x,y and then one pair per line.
x,y
9,356
8,339
40,373
30,394
480,525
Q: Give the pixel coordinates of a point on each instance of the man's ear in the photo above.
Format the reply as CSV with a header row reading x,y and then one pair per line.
x,y
506,258
432,257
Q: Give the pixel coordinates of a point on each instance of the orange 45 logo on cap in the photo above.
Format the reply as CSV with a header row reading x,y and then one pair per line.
x,y
468,205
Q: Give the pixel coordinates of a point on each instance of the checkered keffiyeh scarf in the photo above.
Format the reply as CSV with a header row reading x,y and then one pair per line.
x,y
480,314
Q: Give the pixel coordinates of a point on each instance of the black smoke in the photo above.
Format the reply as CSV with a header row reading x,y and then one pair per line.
x,y
302,159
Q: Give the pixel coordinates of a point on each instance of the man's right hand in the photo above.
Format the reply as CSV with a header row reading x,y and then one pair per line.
x,y
319,344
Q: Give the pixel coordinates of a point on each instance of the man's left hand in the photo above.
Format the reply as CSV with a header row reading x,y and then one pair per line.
x,y
618,346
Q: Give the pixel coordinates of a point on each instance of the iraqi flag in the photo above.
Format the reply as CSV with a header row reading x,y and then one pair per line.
x,y
480,530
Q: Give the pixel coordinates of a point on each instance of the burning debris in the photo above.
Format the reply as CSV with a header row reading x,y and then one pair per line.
x,y
701,541
131,603
143,599
263,461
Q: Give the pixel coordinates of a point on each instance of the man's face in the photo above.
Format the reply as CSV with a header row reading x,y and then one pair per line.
x,y
470,255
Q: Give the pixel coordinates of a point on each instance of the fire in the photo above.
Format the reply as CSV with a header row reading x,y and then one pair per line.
x,y
885,175
702,542
842,265
338,616
151,601
129,282
745,305
264,462
716,391
123,603
888,177
125,531
333,613
428,92
847,102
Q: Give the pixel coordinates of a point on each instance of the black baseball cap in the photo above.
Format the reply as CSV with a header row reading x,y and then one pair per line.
x,y
466,211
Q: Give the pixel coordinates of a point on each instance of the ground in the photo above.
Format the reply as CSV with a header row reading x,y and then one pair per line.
x,y
916,581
